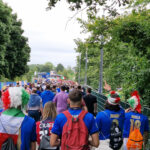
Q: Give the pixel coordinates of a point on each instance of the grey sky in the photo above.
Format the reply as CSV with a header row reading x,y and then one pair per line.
x,y
48,39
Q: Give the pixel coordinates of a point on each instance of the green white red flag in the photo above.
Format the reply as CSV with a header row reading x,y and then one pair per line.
x,y
10,123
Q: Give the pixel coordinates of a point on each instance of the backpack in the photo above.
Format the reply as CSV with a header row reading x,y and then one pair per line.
x,y
75,133
135,140
116,139
8,145
45,141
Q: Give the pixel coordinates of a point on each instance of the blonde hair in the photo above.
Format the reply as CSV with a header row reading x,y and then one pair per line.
x,y
49,111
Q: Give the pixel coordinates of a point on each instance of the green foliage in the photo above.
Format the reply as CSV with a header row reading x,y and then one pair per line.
x,y
14,49
60,68
139,3
68,73
92,5
126,53
47,67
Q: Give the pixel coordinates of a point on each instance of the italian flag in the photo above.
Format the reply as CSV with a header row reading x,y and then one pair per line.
x,y
10,123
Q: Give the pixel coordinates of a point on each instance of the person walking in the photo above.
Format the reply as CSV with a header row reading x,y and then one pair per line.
x,y
113,113
34,105
61,100
15,126
47,95
74,126
44,127
135,125
91,102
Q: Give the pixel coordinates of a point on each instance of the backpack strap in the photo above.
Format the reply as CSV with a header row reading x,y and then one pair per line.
x,y
67,114
82,114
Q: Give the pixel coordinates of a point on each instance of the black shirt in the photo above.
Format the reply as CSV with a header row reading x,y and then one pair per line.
x,y
89,101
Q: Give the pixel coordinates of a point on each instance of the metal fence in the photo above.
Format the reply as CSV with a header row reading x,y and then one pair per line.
x,y
101,99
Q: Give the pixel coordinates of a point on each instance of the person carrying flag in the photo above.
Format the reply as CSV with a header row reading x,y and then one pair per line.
x,y
15,126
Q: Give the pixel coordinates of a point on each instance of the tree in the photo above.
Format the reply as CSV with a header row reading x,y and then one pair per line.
x,y
60,68
18,51
92,5
5,22
126,52
15,51
47,67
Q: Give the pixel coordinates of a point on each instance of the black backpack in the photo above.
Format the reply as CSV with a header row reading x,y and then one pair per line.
x,y
8,145
116,139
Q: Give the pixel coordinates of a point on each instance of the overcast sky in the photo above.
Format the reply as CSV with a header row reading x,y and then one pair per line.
x,y
48,38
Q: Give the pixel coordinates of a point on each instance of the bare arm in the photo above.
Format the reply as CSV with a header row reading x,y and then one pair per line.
x,y
54,141
95,108
85,108
95,140
107,87
33,145
84,105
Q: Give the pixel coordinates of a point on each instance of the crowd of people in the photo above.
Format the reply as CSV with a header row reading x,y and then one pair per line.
x,y
59,116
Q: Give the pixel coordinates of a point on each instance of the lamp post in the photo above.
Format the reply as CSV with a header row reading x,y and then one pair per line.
x,y
79,68
101,67
85,80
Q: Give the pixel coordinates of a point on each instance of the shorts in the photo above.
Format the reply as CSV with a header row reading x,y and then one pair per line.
x,y
104,145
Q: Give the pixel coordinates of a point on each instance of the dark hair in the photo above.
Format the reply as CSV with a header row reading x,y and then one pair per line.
x,y
114,95
38,88
79,87
0,94
48,87
89,90
25,87
75,95
112,107
34,90
54,86
63,88
67,88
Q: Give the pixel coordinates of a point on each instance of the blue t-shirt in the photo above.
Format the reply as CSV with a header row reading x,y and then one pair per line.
x,y
39,93
61,120
47,96
58,90
133,119
28,133
104,120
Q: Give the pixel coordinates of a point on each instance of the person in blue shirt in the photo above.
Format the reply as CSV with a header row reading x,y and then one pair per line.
x,y
38,90
58,89
47,95
112,113
28,134
134,118
34,105
75,98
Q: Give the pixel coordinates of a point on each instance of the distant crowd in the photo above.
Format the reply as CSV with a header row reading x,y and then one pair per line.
x,y
53,116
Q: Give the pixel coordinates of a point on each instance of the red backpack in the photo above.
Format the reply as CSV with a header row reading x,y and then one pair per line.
x,y
75,133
